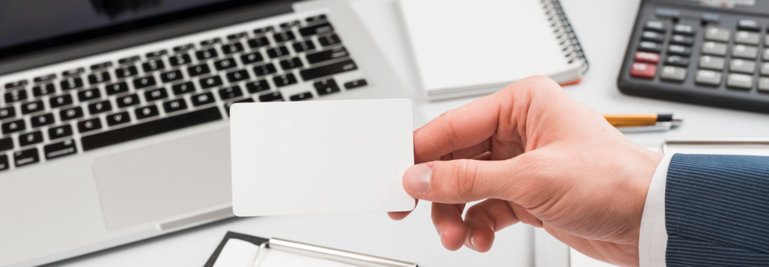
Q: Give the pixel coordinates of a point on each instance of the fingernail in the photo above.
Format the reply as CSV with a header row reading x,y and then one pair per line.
x,y
472,241
440,231
417,178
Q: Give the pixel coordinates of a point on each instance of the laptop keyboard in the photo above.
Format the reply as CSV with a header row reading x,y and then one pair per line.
x,y
77,110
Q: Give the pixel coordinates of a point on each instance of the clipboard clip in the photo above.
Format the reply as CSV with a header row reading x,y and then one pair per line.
x,y
316,251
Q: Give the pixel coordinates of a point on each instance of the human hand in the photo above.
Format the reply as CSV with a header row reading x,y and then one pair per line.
x,y
533,155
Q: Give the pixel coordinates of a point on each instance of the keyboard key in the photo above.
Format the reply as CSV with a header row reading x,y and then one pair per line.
x,y
318,18
72,113
251,58
237,76
45,78
127,100
41,120
15,96
321,28
270,97
171,76
679,50
745,51
44,89
153,65
30,138
32,107
257,86
265,69
284,36
742,66
6,144
647,57
748,25
150,128
717,34
128,60
88,94
158,53
60,100
118,118
60,149
708,77
183,88
743,37
7,112
739,81
289,24
59,132
99,107
284,80
355,84
14,126
302,46
179,59
4,165
684,29
301,96
277,52
326,70
175,105
765,69
326,87
102,65
125,72
202,99
225,64
713,48
330,39
682,40
72,72
97,78
230,92
210,41
144,82
650,47
16,84
26,157
670,73
711,62
89,125
258,42
209,82
643,70
652,36
198,70
116,88
655,25
206,54
155,94
763,85
146,112
291,63
236,36
184,47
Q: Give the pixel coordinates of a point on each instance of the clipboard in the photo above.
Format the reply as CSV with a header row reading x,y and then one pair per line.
x,y
308,252
756,146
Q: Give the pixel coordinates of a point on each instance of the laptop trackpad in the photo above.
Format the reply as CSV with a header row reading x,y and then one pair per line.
x,y
164,180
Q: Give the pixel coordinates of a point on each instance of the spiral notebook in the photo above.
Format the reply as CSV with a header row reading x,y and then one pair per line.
x,y
474,47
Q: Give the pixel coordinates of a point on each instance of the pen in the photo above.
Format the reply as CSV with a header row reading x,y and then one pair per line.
x,y
643,119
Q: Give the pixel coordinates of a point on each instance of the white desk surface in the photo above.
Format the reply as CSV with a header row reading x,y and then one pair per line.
x,y
603,26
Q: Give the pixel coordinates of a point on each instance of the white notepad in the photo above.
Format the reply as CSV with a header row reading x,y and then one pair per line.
x,y
321,156
474,47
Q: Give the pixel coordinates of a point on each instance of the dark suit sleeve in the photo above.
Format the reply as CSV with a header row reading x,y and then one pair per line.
x,y
717,210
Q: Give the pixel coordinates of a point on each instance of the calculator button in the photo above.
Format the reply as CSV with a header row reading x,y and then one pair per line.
x,y
647,57
649,46
682,40
743,37
671,73
717,34
684,29
739,81
667,13
679,50
765,69
710,17
748,25
763,85
713,48
708,77
655,25
643,70
745,51
677,61
712,63
652,36
742,66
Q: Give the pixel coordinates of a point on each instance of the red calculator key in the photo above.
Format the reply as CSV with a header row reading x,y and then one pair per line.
x,y
647,57
643,70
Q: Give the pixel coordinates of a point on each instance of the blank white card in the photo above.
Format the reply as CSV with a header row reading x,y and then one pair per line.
x,y
320,156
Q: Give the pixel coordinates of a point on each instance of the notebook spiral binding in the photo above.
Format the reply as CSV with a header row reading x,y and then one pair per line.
x,y
565,34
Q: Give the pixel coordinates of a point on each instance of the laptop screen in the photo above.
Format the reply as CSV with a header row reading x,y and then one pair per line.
x,y
29,25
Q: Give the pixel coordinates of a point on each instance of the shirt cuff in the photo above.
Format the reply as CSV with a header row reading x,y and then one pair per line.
x,y
653,236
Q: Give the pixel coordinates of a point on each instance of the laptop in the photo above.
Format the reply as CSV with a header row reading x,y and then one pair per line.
x,y
114,113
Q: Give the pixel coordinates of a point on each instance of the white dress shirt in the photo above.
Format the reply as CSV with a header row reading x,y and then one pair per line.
x,y
653,239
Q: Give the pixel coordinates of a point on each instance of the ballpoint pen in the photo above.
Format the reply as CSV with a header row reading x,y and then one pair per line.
x,y
644,121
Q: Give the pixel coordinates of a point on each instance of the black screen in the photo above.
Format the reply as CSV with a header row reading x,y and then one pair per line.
x,y
28,25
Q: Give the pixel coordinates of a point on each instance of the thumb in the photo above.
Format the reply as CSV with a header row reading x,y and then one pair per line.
x,y
460,181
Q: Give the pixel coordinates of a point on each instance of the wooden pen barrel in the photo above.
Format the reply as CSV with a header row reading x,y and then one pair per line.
x,y
623,120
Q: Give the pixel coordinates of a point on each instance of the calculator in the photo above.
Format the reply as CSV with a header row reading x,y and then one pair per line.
x,y
709,52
